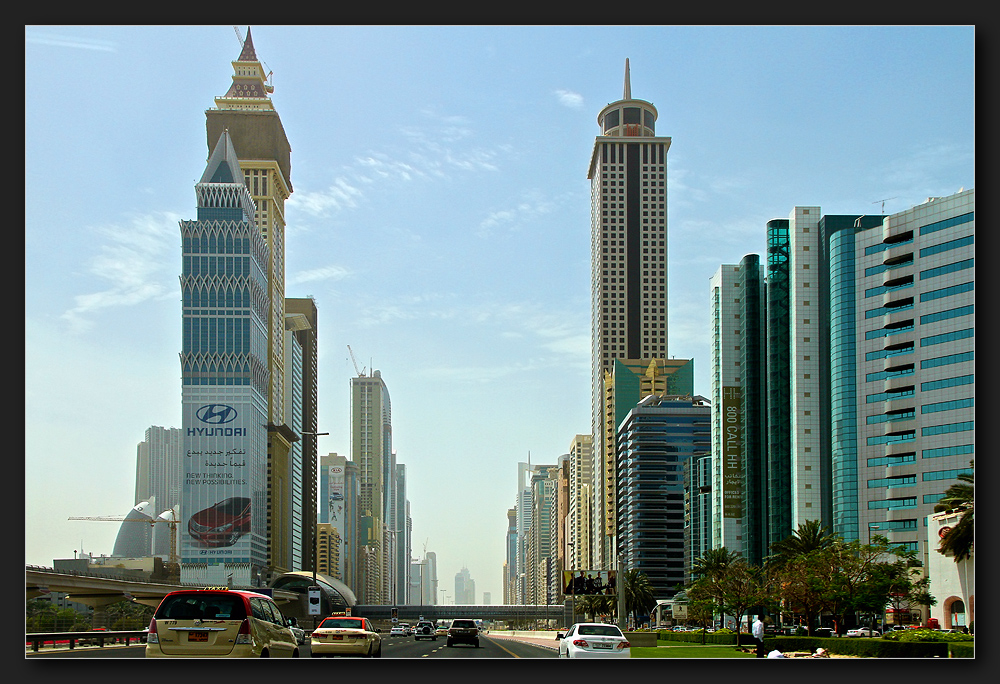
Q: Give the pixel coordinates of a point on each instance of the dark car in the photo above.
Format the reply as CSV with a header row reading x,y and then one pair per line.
x,y
424,630
463,632
221,524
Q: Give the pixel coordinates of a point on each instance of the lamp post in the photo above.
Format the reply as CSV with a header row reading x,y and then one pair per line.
x,y
312,526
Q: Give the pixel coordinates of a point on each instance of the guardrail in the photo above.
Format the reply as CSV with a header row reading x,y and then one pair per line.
x,y
38,639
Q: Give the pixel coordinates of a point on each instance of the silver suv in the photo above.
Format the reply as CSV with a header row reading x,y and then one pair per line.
x,y
425,630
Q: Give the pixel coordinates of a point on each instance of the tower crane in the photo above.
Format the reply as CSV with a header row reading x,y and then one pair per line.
x,y
361,373
168,516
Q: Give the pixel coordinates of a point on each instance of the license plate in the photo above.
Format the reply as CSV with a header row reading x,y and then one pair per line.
x,y
598,644
197,636
336,637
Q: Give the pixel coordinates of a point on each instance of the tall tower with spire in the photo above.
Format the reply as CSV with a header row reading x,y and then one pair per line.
x,y
628,237
247,113
223,508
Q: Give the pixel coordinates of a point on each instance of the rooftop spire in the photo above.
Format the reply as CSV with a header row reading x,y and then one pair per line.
x,y
248,54
223,166
628,81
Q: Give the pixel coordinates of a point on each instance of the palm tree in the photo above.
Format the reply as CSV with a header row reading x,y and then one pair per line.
x,y
711,567
960,539
638,593
810,536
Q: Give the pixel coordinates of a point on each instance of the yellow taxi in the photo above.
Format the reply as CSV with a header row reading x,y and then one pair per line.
x,y
217,622
346,636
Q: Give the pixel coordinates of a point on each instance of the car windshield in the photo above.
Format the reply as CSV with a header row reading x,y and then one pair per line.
x,y
342,623
463,623
599,630
201,607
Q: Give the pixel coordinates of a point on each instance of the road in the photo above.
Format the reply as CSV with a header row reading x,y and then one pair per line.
x,y
392,647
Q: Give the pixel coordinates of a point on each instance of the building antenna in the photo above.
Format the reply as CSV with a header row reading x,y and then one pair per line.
x,y
883,201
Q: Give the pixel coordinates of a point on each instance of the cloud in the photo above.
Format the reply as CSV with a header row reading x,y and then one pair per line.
x,y
512,218
568,98
135,260
69,41
317,274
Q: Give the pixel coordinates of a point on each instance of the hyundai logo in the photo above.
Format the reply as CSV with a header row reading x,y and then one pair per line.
x,y
216,414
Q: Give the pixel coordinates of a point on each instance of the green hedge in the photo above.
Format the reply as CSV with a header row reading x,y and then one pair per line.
x,y
728,639
962,650
865,647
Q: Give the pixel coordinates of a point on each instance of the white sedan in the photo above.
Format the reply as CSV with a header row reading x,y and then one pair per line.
x,y
863,632
593,640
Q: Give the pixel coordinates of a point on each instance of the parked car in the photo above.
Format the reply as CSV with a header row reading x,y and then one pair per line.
x,y
219,622
863,632
346,636
593,640
463,632
425,630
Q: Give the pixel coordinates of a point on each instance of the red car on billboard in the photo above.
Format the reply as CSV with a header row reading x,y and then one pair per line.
x,y
221,524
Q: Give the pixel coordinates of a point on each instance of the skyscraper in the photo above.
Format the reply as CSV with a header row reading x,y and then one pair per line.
x,y
224,376
248,114
371,450
301,319
628,180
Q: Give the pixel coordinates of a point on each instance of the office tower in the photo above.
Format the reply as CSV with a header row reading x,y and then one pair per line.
x,y
487,598
158,467
329,558
399,520
301,317
581,482
727,407
430,560
510,559
541,550
465,588
654,440
629,381
339,491
248,114
916,382
628,181
371,448
699,508
225,379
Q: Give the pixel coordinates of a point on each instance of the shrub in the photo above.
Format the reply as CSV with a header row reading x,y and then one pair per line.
x,y
866,648
923,634
966,650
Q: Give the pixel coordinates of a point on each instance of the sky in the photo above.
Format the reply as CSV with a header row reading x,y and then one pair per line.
x,y
441,221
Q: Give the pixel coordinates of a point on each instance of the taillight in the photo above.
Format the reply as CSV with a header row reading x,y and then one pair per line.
x,y
581,643
623,644
152,637
243,636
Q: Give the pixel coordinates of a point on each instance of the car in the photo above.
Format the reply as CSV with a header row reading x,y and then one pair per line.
x,y
221,524
863,632
593,640
406,628
425,630
463,632
300,634
397,630
218,622
441,631
338,636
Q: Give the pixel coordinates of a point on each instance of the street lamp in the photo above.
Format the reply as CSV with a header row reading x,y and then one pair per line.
x,y
312,529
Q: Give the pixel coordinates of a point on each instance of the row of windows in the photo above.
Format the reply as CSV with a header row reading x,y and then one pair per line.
x,y
948,428
948,405
960,450
948,359
947,268
948,291
947,382
947,314
946,246
947,223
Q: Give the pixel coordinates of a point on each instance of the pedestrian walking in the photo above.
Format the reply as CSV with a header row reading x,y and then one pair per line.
x,y
757,631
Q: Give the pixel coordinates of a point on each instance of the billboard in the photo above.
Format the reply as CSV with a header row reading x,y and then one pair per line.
x,y
222,490
732,452
590,582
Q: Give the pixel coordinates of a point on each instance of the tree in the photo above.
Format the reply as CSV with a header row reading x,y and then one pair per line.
x,y
743,587
710,568
701,604
810,536
802,584
638,593
960,540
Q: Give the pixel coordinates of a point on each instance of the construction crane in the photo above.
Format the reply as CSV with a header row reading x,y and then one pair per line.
x,y
167,516
361,373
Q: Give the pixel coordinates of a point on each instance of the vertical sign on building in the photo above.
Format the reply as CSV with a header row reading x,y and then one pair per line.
x,y
732,452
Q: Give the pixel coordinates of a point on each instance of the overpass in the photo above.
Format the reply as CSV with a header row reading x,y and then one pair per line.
x,y
102,590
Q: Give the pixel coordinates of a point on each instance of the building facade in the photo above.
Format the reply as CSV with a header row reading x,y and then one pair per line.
x,y
225,379
302,322
655,438
628,181
916,382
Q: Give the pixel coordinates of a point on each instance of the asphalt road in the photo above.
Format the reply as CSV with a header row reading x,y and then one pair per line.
x,y
392,647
